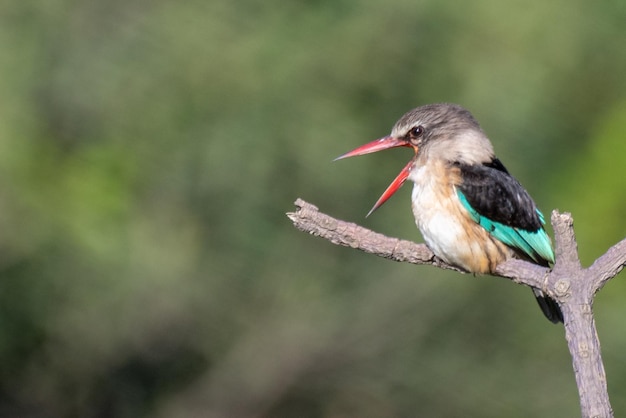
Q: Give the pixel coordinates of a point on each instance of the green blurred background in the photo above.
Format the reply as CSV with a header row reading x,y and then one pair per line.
x,y
150,149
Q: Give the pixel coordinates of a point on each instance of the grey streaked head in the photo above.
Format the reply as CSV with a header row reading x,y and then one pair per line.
x,y
446,131
439,118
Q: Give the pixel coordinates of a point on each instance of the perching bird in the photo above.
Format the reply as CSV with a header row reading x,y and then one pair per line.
x,y
471,212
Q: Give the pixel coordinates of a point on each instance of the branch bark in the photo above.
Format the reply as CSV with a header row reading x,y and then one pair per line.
x,y
568,283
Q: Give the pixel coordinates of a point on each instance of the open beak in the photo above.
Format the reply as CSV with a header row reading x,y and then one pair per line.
x,y
379,145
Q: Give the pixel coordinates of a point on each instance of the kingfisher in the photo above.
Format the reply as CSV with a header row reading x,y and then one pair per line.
x,y
471,212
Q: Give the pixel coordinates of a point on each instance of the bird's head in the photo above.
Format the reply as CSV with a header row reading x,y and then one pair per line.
x,y
443,131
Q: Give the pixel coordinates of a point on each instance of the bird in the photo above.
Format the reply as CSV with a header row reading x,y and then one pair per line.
x,y
472,213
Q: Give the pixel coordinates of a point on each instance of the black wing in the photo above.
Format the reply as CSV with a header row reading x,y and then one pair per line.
x,y
498,196
493,193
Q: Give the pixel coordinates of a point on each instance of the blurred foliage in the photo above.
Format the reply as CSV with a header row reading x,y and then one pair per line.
x,y
149,150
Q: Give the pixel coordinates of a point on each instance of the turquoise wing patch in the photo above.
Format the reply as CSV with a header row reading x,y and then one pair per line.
x,y
535,244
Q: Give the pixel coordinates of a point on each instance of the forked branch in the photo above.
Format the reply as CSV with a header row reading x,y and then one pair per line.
x,y
568,283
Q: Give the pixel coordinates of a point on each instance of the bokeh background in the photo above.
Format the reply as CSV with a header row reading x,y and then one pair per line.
x,y
150,149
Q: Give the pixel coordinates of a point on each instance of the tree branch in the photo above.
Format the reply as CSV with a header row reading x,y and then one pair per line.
x,y
568,283
608,265
308,218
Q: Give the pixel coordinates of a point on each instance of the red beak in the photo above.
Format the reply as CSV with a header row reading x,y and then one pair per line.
x,y
379,145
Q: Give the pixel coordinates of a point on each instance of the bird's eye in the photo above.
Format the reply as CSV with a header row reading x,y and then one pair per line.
x,y
416,132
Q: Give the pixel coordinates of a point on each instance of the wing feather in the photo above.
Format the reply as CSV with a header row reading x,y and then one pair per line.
x,y
498,202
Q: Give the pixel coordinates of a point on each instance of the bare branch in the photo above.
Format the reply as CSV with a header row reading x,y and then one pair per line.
x,y
523,272
568,283
608,265
566,248
308,218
